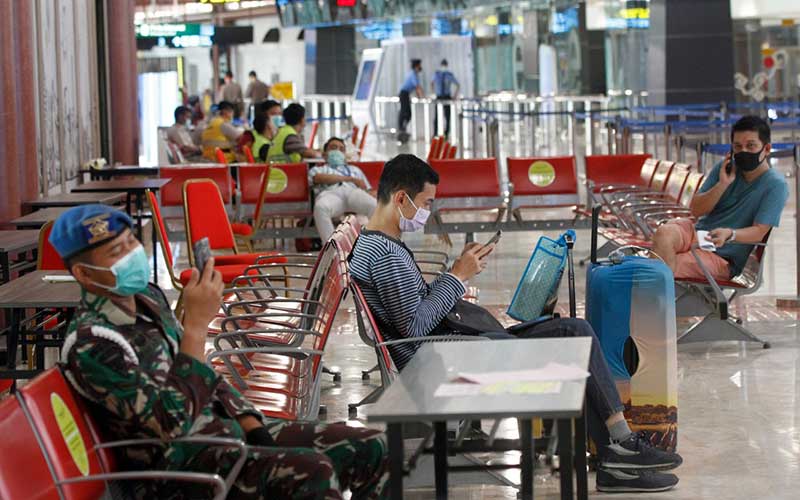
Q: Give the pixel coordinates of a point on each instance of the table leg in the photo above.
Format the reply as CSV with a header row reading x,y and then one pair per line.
x,y
11,343
526,460
396,458
155,253
5,267
440,459
580,457
565,457
139,210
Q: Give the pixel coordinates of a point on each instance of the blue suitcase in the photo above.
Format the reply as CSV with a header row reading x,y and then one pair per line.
x,y
630,303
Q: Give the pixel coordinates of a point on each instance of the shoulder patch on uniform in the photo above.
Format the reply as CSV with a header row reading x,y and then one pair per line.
x,y
115,337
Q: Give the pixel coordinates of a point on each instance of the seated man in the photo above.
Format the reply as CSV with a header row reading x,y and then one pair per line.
x,y
288,144
179,133
268,119
221,133
738,204
339,188
405,306
144,375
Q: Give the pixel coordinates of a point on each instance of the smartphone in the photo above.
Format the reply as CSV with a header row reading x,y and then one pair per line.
x,y
494,239
202,252
729,166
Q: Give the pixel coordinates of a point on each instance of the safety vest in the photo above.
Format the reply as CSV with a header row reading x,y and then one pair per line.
x,y
214,138
276,152
260,141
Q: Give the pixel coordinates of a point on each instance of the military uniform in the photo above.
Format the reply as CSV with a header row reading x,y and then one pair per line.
x,y
128,366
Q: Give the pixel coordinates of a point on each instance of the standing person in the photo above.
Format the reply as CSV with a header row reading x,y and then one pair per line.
x,y
411,84
442,85
232,92
339,188
288,144
144,374
257,90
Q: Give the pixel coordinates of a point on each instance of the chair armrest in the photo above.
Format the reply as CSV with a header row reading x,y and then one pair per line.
x,y
265,318
722,300
434,338
220,490
267,302
288,351
311,256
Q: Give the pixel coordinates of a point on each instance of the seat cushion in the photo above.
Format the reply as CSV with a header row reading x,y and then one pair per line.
x,y
241,229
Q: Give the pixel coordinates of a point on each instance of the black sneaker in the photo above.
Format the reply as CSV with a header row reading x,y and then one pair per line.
x,y
617,481
636,452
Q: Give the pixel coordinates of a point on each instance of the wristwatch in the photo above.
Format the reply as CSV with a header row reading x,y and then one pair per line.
x,y
733,235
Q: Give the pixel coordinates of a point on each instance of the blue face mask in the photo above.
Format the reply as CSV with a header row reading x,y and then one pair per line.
x,y
132,273
277,121
336,158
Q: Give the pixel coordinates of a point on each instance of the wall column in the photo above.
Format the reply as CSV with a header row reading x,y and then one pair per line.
x,y
122,81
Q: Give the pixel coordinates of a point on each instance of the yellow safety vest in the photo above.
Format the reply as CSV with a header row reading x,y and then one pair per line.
x,y
213,138
260,141
276,153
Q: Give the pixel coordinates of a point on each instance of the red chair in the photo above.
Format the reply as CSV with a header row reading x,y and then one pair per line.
x,y
363,140
625,170
220,156
354,137
372,169
284,193
545,182
57,450
436,144
171,194
248,153
452,153
313,137
47,258
205,217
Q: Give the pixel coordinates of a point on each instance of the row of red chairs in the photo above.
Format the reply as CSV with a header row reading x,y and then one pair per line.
x,y
441,149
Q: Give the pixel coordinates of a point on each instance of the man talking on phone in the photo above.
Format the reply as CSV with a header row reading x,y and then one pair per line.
x,y
143,374
740,200
406,307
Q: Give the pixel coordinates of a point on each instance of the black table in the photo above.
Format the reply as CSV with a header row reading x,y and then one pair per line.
x,y
20,244
31,292
133,187
71,200
37,219
108,173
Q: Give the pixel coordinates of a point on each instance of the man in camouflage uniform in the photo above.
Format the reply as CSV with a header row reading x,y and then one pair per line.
x,y
143,374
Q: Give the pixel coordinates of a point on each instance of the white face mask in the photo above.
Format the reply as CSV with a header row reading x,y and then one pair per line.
x,y
417,222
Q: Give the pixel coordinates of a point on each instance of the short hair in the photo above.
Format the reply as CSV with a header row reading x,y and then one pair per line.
x,y
266,105
444,62
252,73
225,106
327,143
229,74
260,123
294,114
180,111
415,63
407,173
755,124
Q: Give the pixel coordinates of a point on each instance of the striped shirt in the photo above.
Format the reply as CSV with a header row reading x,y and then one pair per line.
x,y
345,170
404,305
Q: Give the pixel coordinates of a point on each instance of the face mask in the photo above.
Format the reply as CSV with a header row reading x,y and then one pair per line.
x,y
746,161
336,158
277,121
415,224
132,273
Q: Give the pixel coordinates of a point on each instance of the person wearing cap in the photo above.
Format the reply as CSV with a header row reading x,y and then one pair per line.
x,y
446,87
144,375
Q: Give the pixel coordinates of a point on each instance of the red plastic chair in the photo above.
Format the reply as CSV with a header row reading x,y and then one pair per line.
x,y
616,170
433,153
220,156
463,179
354,137
553,184
205,217
285,192
248,153
372,169
452,153
47,258
363,140
313,136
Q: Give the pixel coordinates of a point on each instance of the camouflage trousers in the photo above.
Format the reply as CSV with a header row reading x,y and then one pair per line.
x,y
309,461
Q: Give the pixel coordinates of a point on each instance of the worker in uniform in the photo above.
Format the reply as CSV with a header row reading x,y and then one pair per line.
x,y
143,375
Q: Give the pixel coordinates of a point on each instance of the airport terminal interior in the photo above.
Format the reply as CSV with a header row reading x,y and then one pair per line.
x,y
463,249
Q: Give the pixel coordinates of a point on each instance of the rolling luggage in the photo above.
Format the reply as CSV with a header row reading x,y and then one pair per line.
x,y
630,303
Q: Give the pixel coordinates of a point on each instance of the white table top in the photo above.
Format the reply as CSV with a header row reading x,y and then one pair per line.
x,y
411,396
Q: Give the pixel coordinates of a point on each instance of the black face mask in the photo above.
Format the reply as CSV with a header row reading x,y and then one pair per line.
x,y
746,161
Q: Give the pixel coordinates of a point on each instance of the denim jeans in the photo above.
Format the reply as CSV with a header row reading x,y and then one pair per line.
x,y
602,397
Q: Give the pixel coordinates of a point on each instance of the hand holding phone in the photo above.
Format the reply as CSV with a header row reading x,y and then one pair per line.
x,y
494,239
202,252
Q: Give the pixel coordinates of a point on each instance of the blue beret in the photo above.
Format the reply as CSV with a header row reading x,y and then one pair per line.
x,y
86,226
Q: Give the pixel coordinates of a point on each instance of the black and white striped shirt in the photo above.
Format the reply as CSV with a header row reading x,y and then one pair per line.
x,y
404,305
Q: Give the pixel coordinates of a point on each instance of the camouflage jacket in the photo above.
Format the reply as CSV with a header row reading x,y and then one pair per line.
x,y
140,385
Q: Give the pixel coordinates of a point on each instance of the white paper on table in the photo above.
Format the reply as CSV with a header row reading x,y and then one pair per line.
x,y
58,278
552,372
703,243
451,390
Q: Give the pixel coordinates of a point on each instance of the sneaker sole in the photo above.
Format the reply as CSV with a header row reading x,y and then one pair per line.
x,y
626,466
631,489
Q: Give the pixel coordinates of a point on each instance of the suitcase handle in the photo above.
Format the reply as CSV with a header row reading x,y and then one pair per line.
x,y
595,222
616,256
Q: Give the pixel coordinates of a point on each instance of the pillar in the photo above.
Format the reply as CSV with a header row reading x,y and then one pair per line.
x,y
122,81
